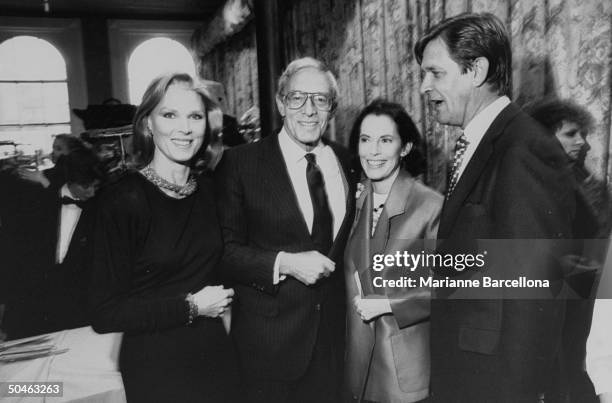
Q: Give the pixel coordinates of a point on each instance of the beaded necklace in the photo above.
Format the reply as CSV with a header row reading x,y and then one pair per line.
x,y
181,190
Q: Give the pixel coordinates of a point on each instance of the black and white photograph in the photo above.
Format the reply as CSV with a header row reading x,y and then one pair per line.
x,y
305,201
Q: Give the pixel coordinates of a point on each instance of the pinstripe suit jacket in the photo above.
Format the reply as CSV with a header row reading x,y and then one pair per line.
x,y
275,326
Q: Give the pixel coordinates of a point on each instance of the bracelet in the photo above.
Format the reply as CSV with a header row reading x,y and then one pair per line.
x,y
193,308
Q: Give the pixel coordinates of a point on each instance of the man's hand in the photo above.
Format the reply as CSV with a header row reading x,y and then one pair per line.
x,y
213,301
307,267
371,308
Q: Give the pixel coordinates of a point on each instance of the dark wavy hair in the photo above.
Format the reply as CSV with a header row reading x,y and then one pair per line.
x,y
414,161
81,166
469,36
552,112
144,146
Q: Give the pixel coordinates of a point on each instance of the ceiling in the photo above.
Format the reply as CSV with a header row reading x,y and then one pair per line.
x,y
132,9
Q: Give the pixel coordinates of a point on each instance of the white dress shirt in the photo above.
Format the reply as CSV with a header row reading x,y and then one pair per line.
x,y
330,168
69,217
599,347
478,126
599,343
328,163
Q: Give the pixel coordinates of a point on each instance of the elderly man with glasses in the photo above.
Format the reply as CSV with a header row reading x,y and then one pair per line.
x,y
285,206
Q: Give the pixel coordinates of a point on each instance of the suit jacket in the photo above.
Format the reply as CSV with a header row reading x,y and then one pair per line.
x,y
388,359
514,200
44,296
275,326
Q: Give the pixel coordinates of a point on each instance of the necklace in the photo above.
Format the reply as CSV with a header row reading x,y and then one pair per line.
x,y
181,190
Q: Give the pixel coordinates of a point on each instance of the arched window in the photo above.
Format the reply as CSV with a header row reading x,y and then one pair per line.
x,y
33,93
152,58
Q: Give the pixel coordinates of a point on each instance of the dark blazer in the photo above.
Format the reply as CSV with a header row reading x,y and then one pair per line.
x,y
275,326
45,296
514,199
388,359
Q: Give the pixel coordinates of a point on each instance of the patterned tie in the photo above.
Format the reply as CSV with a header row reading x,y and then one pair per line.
x,y
460,148
322,223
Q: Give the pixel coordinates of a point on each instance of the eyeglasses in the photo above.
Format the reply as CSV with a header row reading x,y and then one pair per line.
x,y
297,99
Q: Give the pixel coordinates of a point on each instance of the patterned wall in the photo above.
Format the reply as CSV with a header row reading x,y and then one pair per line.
x,y
560,47
234,63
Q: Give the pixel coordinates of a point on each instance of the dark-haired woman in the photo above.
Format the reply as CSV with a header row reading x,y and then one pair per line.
x,y
388,328
157,246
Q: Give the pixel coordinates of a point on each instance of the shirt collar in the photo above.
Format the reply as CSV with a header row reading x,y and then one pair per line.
x,y
479,125
293,152
65,191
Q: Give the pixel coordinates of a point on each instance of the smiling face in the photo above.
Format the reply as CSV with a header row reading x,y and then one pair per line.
x,y
178,124
380,150
571,138
307,124
449,91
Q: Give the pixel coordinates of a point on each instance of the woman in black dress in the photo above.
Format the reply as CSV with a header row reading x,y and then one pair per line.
x,y
157,246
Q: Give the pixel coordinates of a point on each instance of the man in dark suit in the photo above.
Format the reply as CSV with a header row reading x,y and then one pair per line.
x,y
285,208
509,194
47,252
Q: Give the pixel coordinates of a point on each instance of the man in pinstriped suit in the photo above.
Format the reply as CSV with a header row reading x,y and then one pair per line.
x,y
285,206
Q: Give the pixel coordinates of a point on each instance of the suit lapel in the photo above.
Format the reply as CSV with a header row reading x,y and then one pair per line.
x,y
273,166
281,188
474,169
394,206
349,192
362,234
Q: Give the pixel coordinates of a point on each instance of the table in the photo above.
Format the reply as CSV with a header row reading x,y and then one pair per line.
x,y
89,370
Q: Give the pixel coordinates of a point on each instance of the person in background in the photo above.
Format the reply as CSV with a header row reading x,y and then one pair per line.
x,y
49,250
249,125
388,328
63,144
285,207
156,256
571,123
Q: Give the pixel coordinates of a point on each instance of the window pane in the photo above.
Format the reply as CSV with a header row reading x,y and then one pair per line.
x,y
30,138
30,58
145,64
9,104
34,103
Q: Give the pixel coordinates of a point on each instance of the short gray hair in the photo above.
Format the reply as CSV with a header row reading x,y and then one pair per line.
x,y
303,63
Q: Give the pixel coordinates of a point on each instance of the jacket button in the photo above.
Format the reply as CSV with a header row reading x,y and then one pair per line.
x,y
317,307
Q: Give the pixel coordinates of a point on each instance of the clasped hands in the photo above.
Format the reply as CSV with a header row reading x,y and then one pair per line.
x,y
213,301
307,267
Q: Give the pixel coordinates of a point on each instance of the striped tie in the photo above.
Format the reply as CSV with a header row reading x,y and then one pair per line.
x,y
460,148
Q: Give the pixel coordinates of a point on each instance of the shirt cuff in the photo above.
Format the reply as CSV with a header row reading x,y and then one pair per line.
x,y
276,276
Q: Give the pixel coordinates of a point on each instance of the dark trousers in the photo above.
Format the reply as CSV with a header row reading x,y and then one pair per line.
x,y
320,383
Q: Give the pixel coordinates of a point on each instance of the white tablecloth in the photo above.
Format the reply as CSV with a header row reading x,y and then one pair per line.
x,y
89,370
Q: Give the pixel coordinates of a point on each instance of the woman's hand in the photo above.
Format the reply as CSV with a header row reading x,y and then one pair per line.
x,y
371,308
212,301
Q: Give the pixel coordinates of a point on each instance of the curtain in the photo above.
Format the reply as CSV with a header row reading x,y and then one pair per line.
x,y
234,64
560,47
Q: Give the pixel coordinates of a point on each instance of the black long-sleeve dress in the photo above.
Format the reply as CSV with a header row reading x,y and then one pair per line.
x,y
150,250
